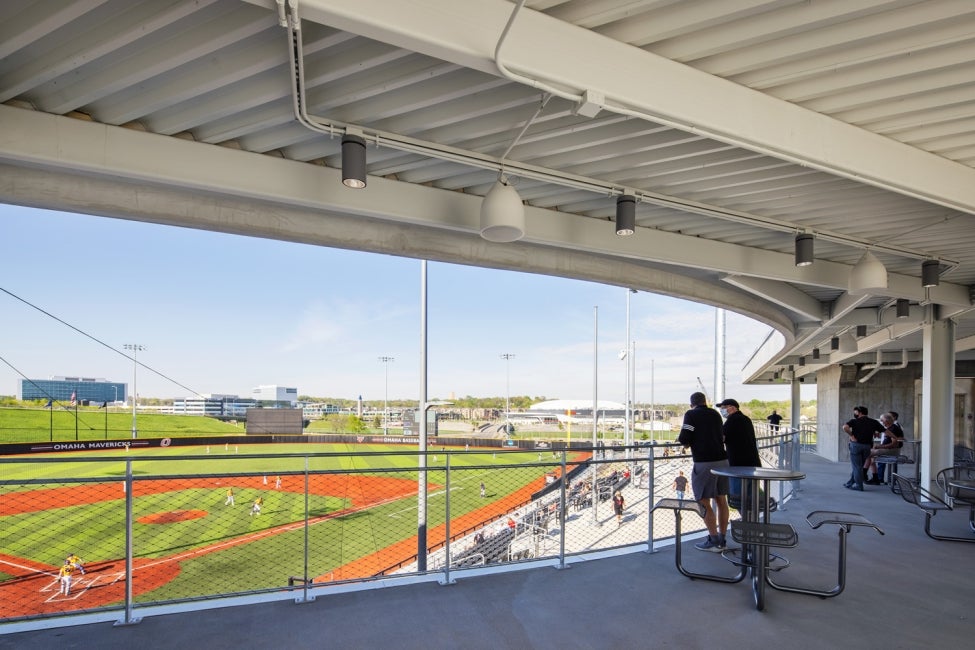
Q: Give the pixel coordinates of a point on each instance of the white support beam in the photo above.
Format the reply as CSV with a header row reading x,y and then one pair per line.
x,y
785,295
551,52
65,144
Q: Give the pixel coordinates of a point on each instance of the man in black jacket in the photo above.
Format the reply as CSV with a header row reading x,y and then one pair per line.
x,y
739,441
701,431
861,430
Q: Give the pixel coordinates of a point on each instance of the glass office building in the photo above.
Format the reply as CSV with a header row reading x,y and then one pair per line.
x,y
60,389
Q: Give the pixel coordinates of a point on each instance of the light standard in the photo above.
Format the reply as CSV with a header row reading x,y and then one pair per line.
x,y
136,348
386,361
507,356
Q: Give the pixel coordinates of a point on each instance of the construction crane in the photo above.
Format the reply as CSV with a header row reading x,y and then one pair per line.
x,y
704,390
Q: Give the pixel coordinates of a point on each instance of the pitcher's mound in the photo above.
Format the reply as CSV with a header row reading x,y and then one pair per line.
x,y
172,517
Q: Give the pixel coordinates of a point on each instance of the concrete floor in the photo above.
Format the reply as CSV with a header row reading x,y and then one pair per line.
x,y
904,590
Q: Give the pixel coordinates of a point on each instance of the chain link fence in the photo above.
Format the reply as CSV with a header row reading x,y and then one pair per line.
x,y
109,535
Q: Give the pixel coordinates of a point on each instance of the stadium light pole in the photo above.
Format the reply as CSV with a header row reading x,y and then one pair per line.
x,y
507,356
136,348
386,361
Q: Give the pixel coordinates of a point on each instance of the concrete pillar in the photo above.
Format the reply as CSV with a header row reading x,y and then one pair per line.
x,y
937,399
795,404
829,443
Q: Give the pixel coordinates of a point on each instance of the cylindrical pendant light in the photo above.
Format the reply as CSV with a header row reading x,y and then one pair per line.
x,y
625,215
930,273
834,343
353,161
903,308
804,249
815,353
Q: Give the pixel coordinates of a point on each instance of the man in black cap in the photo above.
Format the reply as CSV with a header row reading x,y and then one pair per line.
x,y
701,431
739,441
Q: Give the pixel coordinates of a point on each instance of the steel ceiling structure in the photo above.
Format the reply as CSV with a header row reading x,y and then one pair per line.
x,y
738,124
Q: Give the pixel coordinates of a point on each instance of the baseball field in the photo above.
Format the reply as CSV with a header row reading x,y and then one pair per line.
x,y
343,512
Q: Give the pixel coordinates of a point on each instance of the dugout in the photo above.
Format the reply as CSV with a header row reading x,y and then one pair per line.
x,y
274,421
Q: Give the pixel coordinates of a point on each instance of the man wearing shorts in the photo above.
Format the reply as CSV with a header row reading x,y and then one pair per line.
x,y
701,431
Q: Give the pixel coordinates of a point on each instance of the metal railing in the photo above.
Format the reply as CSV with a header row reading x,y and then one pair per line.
x,y
149,531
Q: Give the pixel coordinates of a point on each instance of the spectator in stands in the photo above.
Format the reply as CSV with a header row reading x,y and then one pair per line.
x,y
618,504
889,445
739,442
773,421
701,431
680,485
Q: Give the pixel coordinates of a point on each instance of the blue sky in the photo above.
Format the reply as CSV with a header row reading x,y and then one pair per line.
x,y
222,314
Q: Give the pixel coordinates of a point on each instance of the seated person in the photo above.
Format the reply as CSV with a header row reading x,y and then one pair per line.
x,y
889,445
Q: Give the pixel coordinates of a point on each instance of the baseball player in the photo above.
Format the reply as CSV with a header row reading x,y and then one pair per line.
x,y
64,576
75,561
230,497
256,508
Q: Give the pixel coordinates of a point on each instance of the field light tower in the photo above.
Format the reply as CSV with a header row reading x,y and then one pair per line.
x,y
507,395
136,348
386,361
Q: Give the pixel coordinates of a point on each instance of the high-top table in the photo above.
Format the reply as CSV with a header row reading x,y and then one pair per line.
x,y
756,555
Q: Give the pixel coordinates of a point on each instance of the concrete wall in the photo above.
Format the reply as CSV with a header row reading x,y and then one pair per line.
x,y
838,391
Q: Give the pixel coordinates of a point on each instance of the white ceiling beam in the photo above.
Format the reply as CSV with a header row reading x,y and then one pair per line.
x,y
779,292
40,139
556,53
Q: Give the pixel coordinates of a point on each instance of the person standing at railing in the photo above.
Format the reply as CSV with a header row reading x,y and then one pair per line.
x,y
739,442
701,431
773,421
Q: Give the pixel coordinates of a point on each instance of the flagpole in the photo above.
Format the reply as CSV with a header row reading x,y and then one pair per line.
x,y
50,408
76,419
105,406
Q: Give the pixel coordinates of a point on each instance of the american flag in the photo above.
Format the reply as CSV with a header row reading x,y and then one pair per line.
x,y
74,400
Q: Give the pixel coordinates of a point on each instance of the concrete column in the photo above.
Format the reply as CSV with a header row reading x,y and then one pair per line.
x,y
795,404
937,399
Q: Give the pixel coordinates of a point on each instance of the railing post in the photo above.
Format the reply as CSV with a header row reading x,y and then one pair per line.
x,y
305,596
446,548
563,514
650,494
129,619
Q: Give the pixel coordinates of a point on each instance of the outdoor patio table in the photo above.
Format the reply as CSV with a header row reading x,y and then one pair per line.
x,y
752,478
966,494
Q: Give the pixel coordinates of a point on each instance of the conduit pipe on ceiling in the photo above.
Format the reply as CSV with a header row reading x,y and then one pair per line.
x,y
288,17
874,368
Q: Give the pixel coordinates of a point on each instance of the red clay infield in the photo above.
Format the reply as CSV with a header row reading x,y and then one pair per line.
x,y
34,589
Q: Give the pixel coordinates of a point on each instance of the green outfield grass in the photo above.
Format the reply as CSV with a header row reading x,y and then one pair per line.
x,y
237,559
40,424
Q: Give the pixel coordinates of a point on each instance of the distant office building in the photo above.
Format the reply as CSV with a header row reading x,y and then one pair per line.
x,y
318,410
60,389
275,396
213,406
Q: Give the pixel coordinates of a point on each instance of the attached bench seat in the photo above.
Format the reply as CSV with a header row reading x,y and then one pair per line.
x,y
678,506
929,504
845,521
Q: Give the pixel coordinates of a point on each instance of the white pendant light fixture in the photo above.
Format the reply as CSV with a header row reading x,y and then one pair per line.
x,y
502,214
869,275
